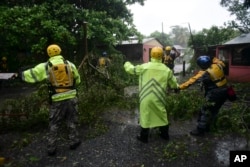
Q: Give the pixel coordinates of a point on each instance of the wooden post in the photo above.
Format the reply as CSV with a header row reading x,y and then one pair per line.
x,y
85,54
184,69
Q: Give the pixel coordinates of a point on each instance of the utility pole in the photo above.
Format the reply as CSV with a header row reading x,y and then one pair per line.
x,y
162,33
191,34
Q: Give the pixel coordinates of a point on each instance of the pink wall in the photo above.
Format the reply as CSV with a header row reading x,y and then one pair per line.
x,y
239,73
235,73
146,52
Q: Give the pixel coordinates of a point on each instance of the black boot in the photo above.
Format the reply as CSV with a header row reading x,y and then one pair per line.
x,y
143,137
75,145
197,132
164,132
51,149
51,152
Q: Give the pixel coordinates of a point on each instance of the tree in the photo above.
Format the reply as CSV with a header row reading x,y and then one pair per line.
x,y
241,10
162,37
247,3
213,36
29,26
180,35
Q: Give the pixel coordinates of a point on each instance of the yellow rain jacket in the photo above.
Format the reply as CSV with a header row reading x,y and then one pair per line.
x,y
154,78
212,78
40,73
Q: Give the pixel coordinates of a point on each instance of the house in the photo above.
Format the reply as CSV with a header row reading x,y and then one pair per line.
x,y
137,51
236,54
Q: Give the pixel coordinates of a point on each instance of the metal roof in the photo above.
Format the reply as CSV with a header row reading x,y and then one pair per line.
x,y
242,39
179,47
136,41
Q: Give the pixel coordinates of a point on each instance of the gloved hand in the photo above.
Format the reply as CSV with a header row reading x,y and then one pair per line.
x,y
18,75
177,90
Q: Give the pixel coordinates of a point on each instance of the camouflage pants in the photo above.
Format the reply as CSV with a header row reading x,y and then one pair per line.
x,y
208,113
65,110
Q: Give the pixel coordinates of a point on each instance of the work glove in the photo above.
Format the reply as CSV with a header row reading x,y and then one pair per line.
x,y
18,75
177,90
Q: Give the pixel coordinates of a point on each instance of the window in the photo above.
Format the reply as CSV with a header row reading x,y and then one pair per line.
x,y
241,56
224,56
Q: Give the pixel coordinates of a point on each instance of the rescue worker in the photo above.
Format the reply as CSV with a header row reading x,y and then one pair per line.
x,y
103,61
63,77
214,82
154,78
4,65
215,60
171,53
103,64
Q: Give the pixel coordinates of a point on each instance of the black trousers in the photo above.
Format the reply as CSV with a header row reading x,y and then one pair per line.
x,y
209,111
163,131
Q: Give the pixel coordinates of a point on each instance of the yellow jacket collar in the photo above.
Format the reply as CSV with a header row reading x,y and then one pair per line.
x,y
155,60
56,57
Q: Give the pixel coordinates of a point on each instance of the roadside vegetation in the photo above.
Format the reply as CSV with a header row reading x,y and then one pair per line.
x,y
98,94
29,115
27,28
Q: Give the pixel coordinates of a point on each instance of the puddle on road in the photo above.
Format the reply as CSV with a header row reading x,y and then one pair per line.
x,y
223,148
123,117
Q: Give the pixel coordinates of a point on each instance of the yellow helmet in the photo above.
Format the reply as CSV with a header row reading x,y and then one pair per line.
x,y
4,58
53,50
157,52
168,48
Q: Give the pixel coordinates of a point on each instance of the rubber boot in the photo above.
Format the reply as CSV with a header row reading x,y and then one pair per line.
x,y
197,132
143,137
164,132
75,145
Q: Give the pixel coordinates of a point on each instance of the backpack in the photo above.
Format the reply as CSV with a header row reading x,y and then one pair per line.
x,y
60,77
169,61
231,94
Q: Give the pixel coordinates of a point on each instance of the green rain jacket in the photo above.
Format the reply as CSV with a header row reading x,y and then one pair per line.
x,y
40,73
154,78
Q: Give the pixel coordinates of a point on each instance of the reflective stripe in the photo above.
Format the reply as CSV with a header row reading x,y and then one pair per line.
x,y
152,86
63,96
218,80
33,75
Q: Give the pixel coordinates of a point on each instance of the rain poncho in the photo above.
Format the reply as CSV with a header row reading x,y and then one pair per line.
x,y
154,79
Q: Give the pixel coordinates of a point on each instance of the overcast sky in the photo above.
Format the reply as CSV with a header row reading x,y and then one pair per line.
x,y
198,13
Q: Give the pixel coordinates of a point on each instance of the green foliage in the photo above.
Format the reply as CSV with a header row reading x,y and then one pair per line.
x,y
213,36
180,35
240,9
101,93
182,107
180,149
26,29
235,120
164,38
